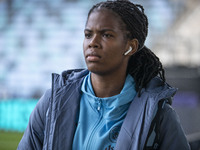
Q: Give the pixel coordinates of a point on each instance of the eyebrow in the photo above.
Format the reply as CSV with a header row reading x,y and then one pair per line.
x,y
103,30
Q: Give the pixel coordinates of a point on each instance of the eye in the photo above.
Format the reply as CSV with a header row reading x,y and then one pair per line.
x,y
107,35
88,35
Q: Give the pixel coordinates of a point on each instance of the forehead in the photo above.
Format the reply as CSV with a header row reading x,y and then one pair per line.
x,y
102,18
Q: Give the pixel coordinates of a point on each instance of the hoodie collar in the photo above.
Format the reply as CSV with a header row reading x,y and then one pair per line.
x,y
112,103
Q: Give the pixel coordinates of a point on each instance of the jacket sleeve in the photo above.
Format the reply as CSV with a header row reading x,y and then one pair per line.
x,y
172,136
34,134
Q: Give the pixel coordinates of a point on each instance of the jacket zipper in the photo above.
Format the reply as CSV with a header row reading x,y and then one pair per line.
x,y
98,124
99,105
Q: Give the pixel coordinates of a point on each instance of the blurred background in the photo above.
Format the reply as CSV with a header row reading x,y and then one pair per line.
x,y
39,37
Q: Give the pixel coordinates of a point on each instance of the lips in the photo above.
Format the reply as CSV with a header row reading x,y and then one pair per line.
x,y
92,57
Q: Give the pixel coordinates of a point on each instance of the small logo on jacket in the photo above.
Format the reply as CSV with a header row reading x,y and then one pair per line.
x,y
114,132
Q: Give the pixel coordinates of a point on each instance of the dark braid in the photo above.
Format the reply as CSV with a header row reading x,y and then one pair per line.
x,y
144,64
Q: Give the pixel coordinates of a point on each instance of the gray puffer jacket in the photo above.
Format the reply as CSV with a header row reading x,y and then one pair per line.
x,y
52,123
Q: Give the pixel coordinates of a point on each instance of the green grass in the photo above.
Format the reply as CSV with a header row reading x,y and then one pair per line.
x,y
9,140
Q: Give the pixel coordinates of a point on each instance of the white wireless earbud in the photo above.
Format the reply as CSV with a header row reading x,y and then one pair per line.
x,y
128,51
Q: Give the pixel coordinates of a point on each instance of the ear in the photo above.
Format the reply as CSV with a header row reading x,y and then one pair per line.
x,y
134,45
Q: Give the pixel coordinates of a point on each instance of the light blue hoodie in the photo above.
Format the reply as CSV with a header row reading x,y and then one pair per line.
x,y
100,119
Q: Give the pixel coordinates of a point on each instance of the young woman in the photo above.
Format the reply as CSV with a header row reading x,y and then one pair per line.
x,y
121,101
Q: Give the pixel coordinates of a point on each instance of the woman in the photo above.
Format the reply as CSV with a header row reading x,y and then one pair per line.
x,y
115,103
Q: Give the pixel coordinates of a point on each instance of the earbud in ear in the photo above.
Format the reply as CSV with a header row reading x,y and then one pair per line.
x,y
128,51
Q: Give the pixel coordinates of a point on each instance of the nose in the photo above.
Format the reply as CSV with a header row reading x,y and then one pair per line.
x,y
94,42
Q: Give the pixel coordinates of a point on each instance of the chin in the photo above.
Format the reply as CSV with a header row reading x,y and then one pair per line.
x,y
94,69
99,71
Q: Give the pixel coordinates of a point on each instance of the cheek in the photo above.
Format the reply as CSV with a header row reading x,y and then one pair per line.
x,y
116,50
84,46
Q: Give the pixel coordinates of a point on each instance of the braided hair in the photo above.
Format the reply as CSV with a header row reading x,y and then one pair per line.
x,y
144,64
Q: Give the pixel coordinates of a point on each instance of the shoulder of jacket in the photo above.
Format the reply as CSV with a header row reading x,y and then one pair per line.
x,y
68,76
157,88
156,84
168,113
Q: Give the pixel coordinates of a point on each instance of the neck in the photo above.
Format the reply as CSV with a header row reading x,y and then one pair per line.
x,y
107,85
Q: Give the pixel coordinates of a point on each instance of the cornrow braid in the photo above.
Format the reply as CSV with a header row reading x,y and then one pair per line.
x,y
144,64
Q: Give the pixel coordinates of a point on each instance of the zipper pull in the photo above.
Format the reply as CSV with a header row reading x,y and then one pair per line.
x,y
99,105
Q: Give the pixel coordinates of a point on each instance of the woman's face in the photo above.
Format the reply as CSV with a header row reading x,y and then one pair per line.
x,y
104,44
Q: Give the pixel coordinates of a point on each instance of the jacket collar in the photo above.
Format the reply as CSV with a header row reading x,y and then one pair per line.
x,y
64,108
